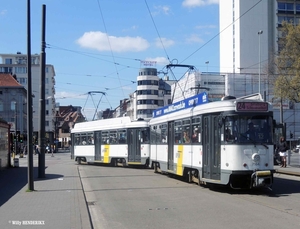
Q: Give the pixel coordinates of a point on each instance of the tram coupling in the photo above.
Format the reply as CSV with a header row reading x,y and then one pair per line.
x,y
261,179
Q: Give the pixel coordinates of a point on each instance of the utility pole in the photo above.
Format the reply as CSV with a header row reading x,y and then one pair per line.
x,y
29,104
259,57
42,100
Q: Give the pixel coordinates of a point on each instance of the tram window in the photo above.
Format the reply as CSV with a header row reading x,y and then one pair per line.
x,y
186,135
229,131
105,137
178,132
163,136
122,135
113,137
260,129
153,134
83,139
90,140
145,136
77,139
196,127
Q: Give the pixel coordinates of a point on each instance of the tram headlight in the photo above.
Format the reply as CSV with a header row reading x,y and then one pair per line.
x,y
256,157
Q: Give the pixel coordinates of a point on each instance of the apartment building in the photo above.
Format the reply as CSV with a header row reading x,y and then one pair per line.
x,y
13,104
16,64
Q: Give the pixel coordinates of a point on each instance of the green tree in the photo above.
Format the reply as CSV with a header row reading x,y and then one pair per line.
x,y
287,83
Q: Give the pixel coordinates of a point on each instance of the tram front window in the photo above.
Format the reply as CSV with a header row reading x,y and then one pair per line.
x,y
247,129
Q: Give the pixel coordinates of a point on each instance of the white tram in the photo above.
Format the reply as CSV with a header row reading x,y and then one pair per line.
x,y
111,141
210,143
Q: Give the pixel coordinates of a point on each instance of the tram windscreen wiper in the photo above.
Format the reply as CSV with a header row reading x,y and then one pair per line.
x,y
264,145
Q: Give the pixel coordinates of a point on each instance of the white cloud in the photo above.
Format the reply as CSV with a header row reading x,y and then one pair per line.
x,y
206,27
196,3
163,42
134,27
159,60
59,95
103,42
194,38
161,9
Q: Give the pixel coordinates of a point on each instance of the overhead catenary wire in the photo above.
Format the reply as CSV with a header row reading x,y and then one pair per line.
x,y
157,31
94,55
112,54
221,31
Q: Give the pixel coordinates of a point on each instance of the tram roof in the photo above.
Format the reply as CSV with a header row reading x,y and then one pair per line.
x,y
211,107
107,124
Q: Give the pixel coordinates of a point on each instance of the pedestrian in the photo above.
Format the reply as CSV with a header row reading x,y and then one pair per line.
x,y
282,148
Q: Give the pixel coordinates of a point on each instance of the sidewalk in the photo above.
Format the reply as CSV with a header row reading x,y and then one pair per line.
x,y
288,170
57,202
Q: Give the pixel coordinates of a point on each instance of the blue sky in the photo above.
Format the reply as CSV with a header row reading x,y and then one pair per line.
x,y
97,45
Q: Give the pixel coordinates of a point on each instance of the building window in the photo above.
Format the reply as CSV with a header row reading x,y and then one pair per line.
x,y
22,80
47,123
8,61
22,70
13,105
297,8
6,69
1,105
285,7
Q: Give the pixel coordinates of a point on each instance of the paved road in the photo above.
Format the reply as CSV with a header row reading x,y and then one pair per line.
x,y
124,198
131,198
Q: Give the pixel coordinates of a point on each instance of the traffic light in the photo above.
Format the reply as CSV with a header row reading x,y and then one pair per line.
x,y
18,136
21,138
291,135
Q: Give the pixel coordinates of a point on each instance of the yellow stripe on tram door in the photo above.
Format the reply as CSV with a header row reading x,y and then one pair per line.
x,y
179,169
106,154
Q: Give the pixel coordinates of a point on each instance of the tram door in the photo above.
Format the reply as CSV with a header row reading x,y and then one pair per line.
x,y
134,145
211,147
171,146
97,142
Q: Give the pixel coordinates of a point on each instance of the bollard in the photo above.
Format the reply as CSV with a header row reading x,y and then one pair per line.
x,y
288,159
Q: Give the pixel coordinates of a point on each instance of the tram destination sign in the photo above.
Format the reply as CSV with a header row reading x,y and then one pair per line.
x,y
181,105
251,106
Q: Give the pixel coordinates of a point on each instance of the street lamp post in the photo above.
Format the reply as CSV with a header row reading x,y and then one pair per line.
x,y
260,32
56,128
16,130
207,62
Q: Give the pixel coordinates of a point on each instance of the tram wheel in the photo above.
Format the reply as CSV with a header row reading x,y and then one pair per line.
x,y
114,162
155,167
78,160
